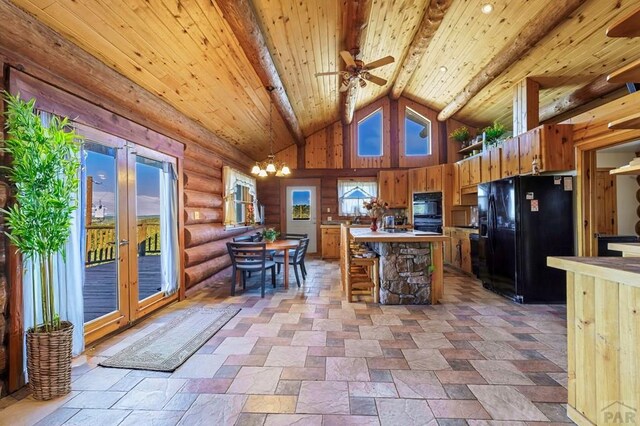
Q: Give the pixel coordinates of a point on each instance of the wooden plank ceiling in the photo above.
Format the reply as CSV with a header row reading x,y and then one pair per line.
x,y
185,52
182,51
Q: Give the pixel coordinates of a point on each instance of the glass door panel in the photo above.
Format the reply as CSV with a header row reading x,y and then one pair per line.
x,y
148,211
101,289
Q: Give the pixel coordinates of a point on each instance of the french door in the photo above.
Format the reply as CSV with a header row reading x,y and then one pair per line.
x,y
122,212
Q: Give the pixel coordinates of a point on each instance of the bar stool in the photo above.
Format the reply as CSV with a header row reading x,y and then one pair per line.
x,y
360,276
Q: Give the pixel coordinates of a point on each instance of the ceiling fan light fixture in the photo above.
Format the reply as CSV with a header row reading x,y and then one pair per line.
x,y
262,173
256,169
285,170
487,8
363,83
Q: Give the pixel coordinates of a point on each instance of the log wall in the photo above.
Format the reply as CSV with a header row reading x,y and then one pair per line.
x,y
269,192
205,237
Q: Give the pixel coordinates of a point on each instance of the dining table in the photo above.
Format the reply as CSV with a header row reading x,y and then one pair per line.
x,y
285,246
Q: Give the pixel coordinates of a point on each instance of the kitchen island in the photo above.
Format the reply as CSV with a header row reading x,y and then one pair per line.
x,y
411,266
603,338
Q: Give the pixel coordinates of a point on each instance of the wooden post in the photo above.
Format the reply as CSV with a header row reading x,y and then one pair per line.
x,y
526,106
88,207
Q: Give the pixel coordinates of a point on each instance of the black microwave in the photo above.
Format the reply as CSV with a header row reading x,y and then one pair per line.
x,y
427,204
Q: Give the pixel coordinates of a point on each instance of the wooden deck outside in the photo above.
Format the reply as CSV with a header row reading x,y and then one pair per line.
x,y
100,287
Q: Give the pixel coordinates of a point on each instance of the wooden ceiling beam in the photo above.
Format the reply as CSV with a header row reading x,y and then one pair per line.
x,y
532,32
242,19
49,55
431,21
355,27
591,91
627,26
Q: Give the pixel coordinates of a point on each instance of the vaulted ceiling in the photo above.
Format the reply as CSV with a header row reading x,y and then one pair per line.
x,y
186,52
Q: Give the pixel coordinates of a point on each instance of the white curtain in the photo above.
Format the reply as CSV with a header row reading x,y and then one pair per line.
x,y
169,250
351,195
231,178
69,274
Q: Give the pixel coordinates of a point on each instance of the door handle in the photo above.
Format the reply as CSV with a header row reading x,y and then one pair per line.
x,y
124,243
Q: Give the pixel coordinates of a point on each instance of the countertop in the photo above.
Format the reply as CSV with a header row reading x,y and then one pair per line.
x,y
464,228
626,248
625,270
365,235
358,225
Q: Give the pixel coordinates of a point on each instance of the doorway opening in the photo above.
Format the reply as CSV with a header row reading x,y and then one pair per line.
x,y
614,208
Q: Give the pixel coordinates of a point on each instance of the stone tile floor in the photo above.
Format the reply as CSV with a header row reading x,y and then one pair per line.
x,y
307,357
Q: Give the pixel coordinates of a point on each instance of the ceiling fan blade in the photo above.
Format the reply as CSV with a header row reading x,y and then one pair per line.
x,y
348,59
375,79
380,62
318,74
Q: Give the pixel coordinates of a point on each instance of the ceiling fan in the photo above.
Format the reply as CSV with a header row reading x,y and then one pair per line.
x,y
357,72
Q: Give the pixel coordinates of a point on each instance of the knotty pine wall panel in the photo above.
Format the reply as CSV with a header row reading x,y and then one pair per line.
x,y
323,149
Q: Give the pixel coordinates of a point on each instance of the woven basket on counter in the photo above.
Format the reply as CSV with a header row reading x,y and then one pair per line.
x,y
49,362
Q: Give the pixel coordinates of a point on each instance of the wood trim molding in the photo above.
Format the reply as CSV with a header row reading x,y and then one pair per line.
x,y
591,133
383,161
436,137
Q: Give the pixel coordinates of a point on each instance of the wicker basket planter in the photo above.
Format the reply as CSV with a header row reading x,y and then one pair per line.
x,y
49,362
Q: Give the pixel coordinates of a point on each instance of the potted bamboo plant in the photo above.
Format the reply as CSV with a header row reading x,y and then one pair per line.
x,y
44,168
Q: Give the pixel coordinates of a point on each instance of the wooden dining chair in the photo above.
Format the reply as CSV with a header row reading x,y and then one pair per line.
x,y
247,257
296,259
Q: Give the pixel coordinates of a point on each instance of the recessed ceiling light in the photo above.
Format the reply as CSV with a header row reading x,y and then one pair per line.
x,y
443,69
487,8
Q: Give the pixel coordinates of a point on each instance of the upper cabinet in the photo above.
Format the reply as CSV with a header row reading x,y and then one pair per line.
x,y
549,146
392,188
417,180
434,178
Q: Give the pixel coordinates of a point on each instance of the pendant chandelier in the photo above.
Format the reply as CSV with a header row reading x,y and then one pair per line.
x,y
271,166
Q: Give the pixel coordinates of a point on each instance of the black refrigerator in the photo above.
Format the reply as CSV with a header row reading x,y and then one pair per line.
x,y
523,220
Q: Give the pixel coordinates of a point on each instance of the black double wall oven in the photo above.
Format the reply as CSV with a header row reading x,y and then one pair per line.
x,y
427,212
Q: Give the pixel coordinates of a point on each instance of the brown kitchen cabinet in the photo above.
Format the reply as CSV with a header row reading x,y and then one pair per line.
x,y
475,167
485,167
490,167
510,158
417,180
393,188
465,174
446,246
457,183
551,145
434,178
331,243
460,249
